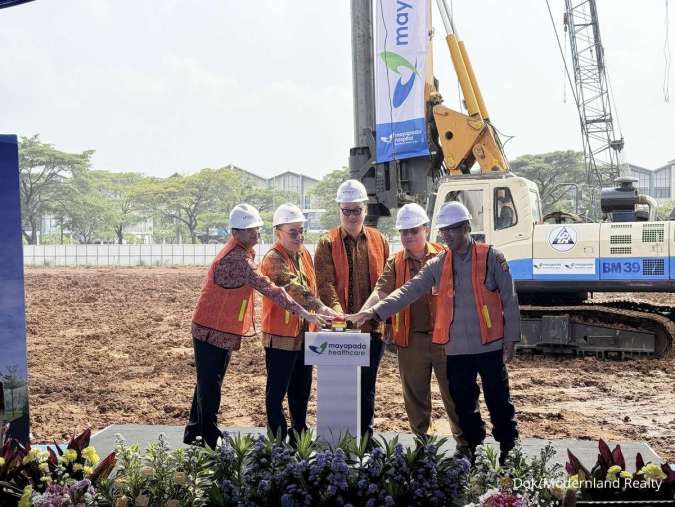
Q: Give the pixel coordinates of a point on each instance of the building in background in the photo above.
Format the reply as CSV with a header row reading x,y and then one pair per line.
x,y
247,177
658,183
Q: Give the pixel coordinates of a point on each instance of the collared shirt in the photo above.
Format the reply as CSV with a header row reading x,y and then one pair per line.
x,y
234,270
465,329
359,287
296,286
420,316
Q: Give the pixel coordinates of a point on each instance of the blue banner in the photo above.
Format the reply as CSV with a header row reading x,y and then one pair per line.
x,y
13,363
401,45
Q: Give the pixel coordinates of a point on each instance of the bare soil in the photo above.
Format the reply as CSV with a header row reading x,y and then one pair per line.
x,y
112,345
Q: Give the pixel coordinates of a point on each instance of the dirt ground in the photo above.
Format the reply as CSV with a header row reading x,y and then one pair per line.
x,y
112,345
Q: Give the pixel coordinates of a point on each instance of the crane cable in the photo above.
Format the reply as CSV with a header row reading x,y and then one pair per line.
x,y
667,57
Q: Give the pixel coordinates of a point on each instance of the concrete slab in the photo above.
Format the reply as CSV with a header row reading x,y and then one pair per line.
x,y
585,450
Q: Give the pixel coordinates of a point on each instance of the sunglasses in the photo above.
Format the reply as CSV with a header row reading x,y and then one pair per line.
x,y
351,211
294,233
410,232
450,228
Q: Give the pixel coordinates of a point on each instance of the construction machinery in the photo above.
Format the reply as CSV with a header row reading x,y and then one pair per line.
x,y
555,266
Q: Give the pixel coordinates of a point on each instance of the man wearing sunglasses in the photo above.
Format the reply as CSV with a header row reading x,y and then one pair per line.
x,y
224,314
477,320
349,259
289,265
417,355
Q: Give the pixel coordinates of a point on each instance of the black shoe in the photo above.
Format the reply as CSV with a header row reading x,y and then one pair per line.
x,y
504,454
464,452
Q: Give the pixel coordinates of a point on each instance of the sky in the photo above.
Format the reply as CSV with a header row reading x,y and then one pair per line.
x,y
165,86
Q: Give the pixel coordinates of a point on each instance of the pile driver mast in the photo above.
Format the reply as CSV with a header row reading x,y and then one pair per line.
x,y
592,93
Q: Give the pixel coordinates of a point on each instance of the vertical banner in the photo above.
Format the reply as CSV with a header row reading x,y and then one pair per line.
x,y
401,41
13,363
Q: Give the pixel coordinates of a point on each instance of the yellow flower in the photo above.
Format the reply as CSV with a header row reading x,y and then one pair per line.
x,y
652,472
173,503
626,474
180,478
25,498
44,467
77,467
69,455
147,471
87,470
122,501
505,482
120,483
142,501
46,478
557,492
573,481
90,454
612,472
2,461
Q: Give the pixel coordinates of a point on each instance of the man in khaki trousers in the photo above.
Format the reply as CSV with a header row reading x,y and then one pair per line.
x,y
412,327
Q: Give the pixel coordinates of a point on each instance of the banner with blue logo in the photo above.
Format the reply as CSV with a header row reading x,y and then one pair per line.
x,y
401,42
13,364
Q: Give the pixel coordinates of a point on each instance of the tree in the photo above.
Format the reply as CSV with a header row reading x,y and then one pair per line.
x,y
122,190
325,192
182,199
12,381
551,171
42,171
88,213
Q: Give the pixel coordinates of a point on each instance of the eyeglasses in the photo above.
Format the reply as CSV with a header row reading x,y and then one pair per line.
x,y
294,233
410,232
351,211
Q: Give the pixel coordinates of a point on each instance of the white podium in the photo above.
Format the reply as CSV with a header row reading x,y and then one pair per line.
x,y
338,357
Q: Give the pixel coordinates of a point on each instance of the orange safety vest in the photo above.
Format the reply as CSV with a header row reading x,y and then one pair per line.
x,y
488,303
225,310
401,320
275,319
376,259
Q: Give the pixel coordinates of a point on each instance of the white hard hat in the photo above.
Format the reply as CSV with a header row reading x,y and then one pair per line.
x,y
287,214
411,215
351,191
244,216
452,213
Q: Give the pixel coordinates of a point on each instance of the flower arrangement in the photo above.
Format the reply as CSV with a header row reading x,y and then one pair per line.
x,y
51,477
610,480
250,471
521,481
242,471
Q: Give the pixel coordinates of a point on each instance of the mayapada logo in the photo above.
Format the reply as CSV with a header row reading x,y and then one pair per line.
x,y
320,349
401,66
339,349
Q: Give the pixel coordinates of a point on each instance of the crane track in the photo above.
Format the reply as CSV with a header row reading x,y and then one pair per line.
x,y
619,314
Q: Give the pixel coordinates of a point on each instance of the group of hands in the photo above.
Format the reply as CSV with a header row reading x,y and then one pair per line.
x,y
326,315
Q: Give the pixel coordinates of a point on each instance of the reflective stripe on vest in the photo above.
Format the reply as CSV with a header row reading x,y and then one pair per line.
x,y
275,319
401,320
221,309
376,260
488,303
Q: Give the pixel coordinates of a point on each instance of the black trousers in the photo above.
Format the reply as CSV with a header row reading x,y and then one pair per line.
x,y
287,375
462,371
211,363
368,380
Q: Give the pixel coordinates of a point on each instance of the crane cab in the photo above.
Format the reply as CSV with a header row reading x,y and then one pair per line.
x,y
561,258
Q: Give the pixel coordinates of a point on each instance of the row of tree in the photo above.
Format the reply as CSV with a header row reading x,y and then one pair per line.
x,y
90,205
